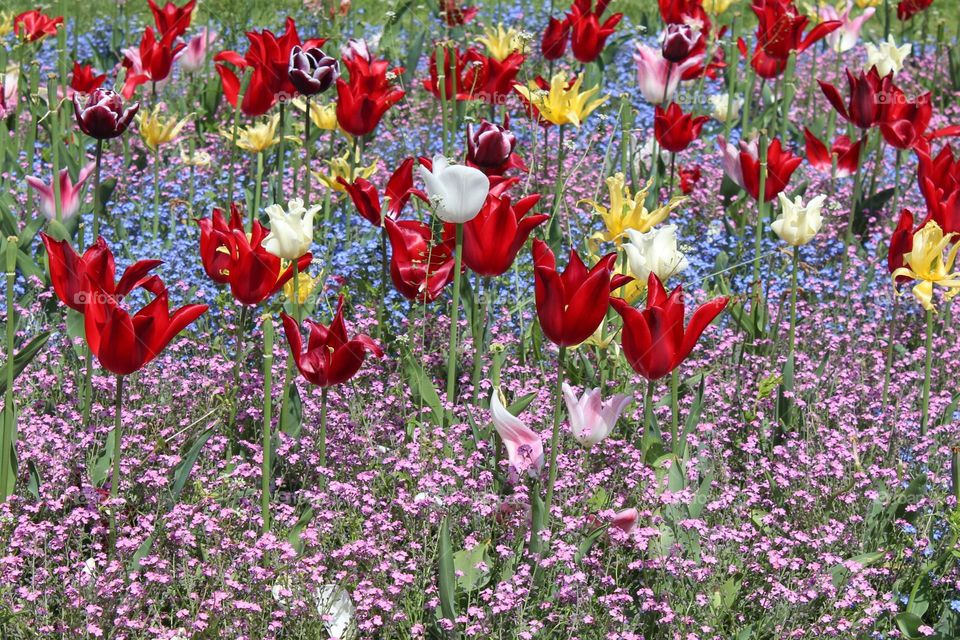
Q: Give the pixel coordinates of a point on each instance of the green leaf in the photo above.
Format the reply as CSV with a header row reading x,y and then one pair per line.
x,y
23,357
588,542
181,473
909,624
466,561
839,573
9,423
291,418
521,403
423,390
446,577
294,537
142,551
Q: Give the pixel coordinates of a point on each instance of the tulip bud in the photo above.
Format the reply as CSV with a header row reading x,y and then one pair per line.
x,y
725,108
312,71
798,224
490,146
678,41
103,117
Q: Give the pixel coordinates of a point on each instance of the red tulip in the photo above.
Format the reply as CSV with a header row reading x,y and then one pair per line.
x,y
125,344
906,9
156,60
331,356
674,129
84,80
367,95
35,25
588,37
232,257
493,238
571,305
454,15
171,18
269,58
366,197
72,275
901,242
780,166
419,271
821,158
470,75
781,25
684,12
939,180
689,177
554,42
868,95
654,340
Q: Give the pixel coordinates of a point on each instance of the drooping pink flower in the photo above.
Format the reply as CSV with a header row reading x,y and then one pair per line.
x,y
658,78
592,419
524,447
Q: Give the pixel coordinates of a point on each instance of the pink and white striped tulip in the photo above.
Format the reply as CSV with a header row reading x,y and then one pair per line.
x,y
524,447
592,419
69,193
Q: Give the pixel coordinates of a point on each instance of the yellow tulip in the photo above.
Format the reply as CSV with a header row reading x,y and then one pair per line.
x,y
340,167
196,158
257,138
863,4
925,262
157,130
305,286
561,105
716,7
6,23
323,116
627,211
501,42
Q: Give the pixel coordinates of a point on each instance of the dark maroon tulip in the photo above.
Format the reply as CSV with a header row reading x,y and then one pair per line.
x,y
489,146
678,41
104,117
312,71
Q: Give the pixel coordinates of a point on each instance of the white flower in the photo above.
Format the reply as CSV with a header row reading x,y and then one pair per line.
x,y
724,108
798,224
291,231
336,610
655,252
592,419
458,192
887,57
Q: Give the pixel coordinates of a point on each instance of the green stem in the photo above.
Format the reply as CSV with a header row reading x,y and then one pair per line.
x,y
761,209
257,188
7,482
793,303
115,477
925,402
308,178
454,323
278,193
675,406
96,193
554,437
156,192
267,467
890,341
383,281
322,447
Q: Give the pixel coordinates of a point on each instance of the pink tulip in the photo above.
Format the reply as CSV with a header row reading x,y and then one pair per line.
x,y
69,193
524,447
625,520
8,94
592,419
844,38
730,158
193,56
657,76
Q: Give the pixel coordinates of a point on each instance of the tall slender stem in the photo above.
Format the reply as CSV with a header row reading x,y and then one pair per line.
x,y
96,192
308,178
675,415
88,361
156,192
266,469
322,447
9,419
925,402
381,303
116,454
554,437
454,323
890,341
278,193
793,303
257,188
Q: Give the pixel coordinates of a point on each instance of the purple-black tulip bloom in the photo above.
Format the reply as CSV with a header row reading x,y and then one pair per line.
x,y
103,117
312,71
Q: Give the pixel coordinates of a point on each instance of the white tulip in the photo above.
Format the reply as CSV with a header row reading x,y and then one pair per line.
x,y
655,252
457,192
291,230
887,57
798,224
724,108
